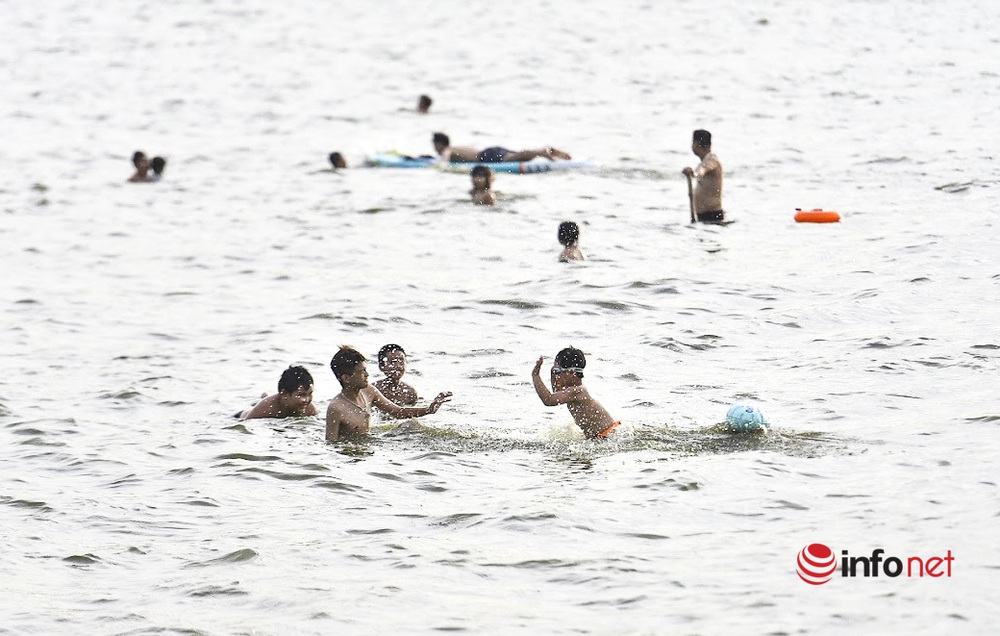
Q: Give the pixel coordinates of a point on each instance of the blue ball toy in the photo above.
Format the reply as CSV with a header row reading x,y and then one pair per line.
x,y
746,417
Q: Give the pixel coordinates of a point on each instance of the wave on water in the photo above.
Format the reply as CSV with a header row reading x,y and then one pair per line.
x,y
435,442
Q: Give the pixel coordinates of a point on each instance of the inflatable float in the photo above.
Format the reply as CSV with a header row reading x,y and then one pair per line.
x,y
816,215
396,160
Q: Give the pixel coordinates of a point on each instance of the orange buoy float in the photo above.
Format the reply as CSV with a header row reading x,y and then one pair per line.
x,y
816,215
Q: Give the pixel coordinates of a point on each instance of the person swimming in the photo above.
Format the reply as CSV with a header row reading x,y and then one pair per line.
x,y
392,362
349,413
482,186
293,399
569,237
495,154
566,377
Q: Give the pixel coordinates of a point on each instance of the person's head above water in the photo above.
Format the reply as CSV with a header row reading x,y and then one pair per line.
x,y
441,141
337,160
569,233
294,378
139,160
702,138
424,103
482,176
392,361
570,359
385,351
158,164
345,362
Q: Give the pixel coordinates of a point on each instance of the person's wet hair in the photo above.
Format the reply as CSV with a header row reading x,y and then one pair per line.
x,y
481,171
294,378
137,156
345,361
703,138
158,164
441,138
424,103
571,358
384,352
569,233
337,160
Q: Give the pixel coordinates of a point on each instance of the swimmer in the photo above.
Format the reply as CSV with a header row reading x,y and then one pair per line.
x,y
442,145
482,186
337,160
392,362
569,236
293,399
707,198
349,413
568,389
424,104
158,164
141,163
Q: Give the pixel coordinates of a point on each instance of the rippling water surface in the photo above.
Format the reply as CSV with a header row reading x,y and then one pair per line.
x,y
138,318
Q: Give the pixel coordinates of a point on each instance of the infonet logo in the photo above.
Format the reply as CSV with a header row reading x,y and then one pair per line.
x,y
816,564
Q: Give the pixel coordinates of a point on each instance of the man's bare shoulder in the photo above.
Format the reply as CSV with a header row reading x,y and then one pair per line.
x,y
267,407
340,405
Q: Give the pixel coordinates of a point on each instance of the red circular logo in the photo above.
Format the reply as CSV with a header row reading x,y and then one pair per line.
x,y
816,564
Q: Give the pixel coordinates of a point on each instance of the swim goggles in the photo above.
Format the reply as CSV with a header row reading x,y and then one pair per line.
x,y
558,369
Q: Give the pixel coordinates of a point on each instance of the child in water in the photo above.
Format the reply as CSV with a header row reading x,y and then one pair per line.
x,y
392,362
349,414
482,186
293,399
568,389
569,236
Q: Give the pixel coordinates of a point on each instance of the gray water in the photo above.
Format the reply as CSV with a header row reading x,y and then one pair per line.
x,y
138,318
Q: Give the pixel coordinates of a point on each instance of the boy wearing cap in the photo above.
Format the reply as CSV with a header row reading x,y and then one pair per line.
x,y
568,389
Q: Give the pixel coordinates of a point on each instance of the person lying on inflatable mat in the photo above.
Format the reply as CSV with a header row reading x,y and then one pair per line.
x,y
442,145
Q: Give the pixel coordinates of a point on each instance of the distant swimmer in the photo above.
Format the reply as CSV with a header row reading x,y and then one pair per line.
x,y
349,413
158,164
424,104
293,399
337,161
442,145
392,362
141,163
569,238
568,389
707,200
482,186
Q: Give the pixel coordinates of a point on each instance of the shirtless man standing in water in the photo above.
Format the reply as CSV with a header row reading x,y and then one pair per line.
x,y
349,414
708,193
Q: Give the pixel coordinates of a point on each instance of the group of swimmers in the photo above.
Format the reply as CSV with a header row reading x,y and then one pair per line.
x,y
706,197
349,413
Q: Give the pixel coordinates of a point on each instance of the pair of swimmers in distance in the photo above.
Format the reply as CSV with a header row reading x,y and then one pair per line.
x,y
349,413
143,166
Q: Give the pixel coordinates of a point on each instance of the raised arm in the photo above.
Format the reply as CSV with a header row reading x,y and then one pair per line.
x,y
550,398
543,391
405,412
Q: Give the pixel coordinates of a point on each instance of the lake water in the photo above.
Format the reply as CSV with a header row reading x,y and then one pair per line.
x,y
138,318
